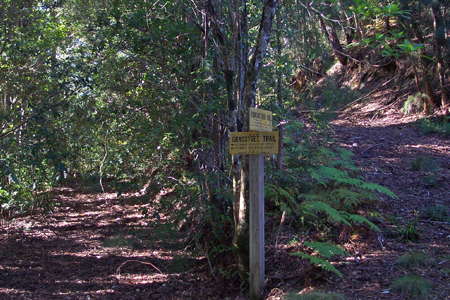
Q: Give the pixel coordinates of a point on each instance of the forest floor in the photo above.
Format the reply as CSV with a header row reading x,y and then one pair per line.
x,y
100,246
392,151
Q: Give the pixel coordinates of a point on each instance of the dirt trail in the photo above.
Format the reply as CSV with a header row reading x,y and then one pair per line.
x,y
393,152
96,246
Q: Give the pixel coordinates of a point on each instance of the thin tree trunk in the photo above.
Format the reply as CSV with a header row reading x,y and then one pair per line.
x,y
422,74
251,79
241,77
332,37
440,43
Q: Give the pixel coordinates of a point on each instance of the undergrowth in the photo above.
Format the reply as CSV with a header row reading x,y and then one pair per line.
x,y
437,125
415,103
322,253
413,260
322,191
409,232
412,287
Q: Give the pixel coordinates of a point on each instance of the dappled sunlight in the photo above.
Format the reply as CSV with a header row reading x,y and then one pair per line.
x,y
88,235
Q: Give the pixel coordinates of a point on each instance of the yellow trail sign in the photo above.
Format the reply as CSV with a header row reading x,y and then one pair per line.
x,y
254,142
260,119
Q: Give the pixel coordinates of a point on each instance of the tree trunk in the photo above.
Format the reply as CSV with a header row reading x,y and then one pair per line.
x,y
332,37
422,74
440,43
241,77
251,80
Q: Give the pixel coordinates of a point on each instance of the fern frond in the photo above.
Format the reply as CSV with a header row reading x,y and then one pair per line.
x,y
324,174
378,188
320,262
358,219
349,198
326,250
285,193
313,207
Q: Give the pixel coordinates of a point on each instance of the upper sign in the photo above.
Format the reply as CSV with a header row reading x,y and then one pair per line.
x,y
254,142
260,120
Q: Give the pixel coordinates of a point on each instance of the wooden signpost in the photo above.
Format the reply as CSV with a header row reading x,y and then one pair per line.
x,y
259,141
254,142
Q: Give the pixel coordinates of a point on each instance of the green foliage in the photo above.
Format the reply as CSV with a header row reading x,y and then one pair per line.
x,y
409,232
319,262
412,287
429,180
413,260
324,251
316,295
315,208
15,198
135,93
439,126
415,103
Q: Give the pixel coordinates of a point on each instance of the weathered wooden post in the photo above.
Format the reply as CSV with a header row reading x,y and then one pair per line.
x,y
260,140
256,206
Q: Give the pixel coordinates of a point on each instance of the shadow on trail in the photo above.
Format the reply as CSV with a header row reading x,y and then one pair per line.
x,y
96,246
414,165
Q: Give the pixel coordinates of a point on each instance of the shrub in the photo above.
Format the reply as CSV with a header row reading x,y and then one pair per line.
x,y
439,126
412,260
415,103
412,287
409,232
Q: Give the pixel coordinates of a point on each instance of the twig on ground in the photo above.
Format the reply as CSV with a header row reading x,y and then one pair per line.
x,y
211,269
282,220
138,261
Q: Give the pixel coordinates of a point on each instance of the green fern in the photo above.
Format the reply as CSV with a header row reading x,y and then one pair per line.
x,y
346,198
313,207
378,188
326,250
324,175
283,197
358,219
318,261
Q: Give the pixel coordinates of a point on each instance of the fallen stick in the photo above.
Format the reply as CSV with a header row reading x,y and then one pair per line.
x,y
138,261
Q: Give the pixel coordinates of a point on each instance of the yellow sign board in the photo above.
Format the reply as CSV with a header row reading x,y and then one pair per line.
x,y
260,119
254,142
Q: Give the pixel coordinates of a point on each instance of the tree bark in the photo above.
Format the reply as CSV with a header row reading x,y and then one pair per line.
x,y
440,45
251,80
241,77
332,37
